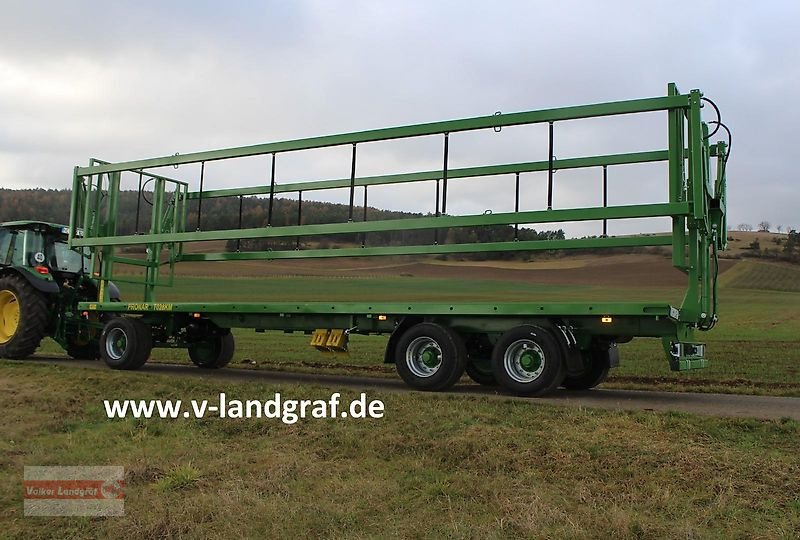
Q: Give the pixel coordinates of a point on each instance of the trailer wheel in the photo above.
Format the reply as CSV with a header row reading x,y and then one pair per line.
x,y
527,360
479,359
213,353
596,371
431,357
23,317
480,371
125,343
89,351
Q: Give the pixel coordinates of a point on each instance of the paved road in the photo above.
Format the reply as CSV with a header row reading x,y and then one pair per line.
x,y
765,407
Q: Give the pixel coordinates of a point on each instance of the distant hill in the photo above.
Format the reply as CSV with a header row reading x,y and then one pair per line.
x,y
768,276
767,246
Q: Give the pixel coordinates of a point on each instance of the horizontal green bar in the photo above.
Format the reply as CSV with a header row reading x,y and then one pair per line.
x,y
434,249
450,126
131,280
133,262
92,161
468,172
391,308
505,218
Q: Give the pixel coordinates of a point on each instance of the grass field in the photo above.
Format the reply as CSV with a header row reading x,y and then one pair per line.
x,y
433,467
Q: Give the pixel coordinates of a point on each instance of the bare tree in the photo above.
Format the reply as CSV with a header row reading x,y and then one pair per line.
x,y
779,228
745,227
763,226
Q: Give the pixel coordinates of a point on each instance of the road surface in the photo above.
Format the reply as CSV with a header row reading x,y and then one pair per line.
x,y
731,405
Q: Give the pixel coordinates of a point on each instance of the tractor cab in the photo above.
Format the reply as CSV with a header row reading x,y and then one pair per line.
x,y
40,247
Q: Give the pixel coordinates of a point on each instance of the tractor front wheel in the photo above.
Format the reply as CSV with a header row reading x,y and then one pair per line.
x,y
23,317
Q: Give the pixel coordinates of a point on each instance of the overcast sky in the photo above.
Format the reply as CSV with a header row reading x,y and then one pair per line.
x,y
128,80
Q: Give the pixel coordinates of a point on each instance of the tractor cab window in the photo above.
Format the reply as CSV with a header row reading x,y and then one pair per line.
x,y
26,248
64,259
5,244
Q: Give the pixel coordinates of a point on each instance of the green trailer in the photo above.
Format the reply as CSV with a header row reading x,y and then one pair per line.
x,y
527,347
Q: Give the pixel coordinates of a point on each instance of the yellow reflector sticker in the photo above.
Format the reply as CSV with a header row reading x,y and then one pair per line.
x,y
382,317
606,319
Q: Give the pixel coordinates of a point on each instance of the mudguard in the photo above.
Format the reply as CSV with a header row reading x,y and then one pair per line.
x,y
44,285
408,322
113,292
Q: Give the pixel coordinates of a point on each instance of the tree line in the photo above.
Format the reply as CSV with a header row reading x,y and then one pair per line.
x,y
224,213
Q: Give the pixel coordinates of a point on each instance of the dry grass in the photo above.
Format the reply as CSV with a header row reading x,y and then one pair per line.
x,y
435,466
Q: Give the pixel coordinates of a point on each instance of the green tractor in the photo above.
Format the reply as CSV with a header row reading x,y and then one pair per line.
x,y
41,282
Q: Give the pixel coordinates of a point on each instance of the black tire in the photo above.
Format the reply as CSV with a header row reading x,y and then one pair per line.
x,y
85,344
213,353
596,371
89,351
430,357
480,371
479,359
528,361
23,317
125,343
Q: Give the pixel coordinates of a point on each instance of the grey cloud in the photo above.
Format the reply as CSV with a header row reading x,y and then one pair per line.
x,y
123,81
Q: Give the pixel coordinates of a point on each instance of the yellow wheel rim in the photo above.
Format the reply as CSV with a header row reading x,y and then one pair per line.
x,y
9,315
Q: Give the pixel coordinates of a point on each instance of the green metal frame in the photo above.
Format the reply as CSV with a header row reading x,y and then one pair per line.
x,y
696,207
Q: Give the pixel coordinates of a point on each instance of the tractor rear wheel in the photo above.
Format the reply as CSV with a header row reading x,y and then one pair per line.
x,y
213,353
23,317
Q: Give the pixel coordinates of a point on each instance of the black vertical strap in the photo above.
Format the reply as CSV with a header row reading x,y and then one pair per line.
x,y
444,172
436,231
516,207
239,240
271,192
605,198
364,235
138,203
299,214
200,199
352,183
550,171
437,198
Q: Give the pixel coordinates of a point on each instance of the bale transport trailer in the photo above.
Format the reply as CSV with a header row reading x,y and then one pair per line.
x,y
528,347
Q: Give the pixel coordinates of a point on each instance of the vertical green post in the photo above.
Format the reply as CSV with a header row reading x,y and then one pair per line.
x,y
75,202
90,217
87,206
692,303
676,179
154,250
109,228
